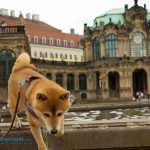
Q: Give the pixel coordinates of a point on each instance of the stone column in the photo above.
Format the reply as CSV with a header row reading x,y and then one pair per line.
x,y
148,47
120,48
53,76
89,81
94,80
105,89
130,79
65,80
88,53
127,47
76,80
148,81
103,54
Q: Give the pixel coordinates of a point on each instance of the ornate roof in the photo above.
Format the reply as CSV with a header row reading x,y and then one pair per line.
x,y
116,15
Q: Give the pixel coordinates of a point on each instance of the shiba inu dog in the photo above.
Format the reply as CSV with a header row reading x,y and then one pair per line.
x,y
45,101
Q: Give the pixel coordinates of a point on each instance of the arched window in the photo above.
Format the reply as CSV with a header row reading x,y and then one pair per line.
x,y
48,76
138,44
59,79
7,59
35,39
70,82
83,96
43,40
96,49
71,43
82,82
111,43
98,81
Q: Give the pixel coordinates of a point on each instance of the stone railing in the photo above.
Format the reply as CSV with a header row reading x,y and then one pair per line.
x,y
12,29
92,135
57,63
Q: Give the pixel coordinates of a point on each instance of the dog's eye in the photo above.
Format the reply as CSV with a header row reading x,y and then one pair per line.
x,y
59,114
46,115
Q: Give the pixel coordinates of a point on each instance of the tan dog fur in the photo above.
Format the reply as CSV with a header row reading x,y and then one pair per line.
x,y
48,100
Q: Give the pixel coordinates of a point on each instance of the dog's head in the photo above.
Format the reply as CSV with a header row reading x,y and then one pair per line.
x,y
51,101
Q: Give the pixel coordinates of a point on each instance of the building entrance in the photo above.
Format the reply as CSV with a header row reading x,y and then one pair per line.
x,y
139,81
113,82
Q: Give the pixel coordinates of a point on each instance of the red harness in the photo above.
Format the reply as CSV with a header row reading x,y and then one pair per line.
x,y
28,107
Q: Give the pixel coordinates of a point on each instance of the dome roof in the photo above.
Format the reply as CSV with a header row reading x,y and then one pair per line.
x,y
116,16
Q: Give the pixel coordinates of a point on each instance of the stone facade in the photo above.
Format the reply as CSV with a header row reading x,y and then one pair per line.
x,y
13,41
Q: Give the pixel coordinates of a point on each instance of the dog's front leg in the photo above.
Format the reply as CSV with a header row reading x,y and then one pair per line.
x,y
36,132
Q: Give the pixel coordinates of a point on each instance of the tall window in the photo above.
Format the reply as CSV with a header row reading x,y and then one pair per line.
x,y
82,82
71,43
70,56
61,55
7,59
96,49
59,79
138,44
75,57
79,45
51,41
49,76
41,54
65,43
58,42
35,39
66,56
46,55
70,82
51,55
56,55
43,40
35,54
111,43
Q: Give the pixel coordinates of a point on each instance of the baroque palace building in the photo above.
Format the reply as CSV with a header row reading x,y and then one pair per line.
x,y
113,64
118,49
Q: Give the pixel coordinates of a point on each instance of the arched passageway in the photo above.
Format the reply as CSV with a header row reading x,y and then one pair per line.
x,y
139,79
114,84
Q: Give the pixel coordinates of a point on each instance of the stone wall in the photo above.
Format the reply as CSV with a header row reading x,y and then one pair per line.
x,y
103,135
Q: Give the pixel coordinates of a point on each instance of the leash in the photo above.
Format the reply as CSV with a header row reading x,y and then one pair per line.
x,y
14,117
21,83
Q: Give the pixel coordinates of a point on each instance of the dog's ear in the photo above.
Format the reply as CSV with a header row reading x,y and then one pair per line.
x,y
65,96
41,97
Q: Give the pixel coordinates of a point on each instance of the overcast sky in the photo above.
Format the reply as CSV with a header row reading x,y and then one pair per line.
x,y
67,14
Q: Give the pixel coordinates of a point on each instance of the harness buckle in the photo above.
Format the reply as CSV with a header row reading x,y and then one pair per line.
x,y
22,82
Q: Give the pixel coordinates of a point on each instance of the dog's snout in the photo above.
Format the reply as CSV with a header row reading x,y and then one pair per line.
x,y
54,131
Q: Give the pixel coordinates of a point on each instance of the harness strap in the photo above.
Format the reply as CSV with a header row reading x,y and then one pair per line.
x,y
26,103
29,109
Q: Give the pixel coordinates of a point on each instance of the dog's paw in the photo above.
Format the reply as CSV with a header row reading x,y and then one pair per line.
x,y
17,123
